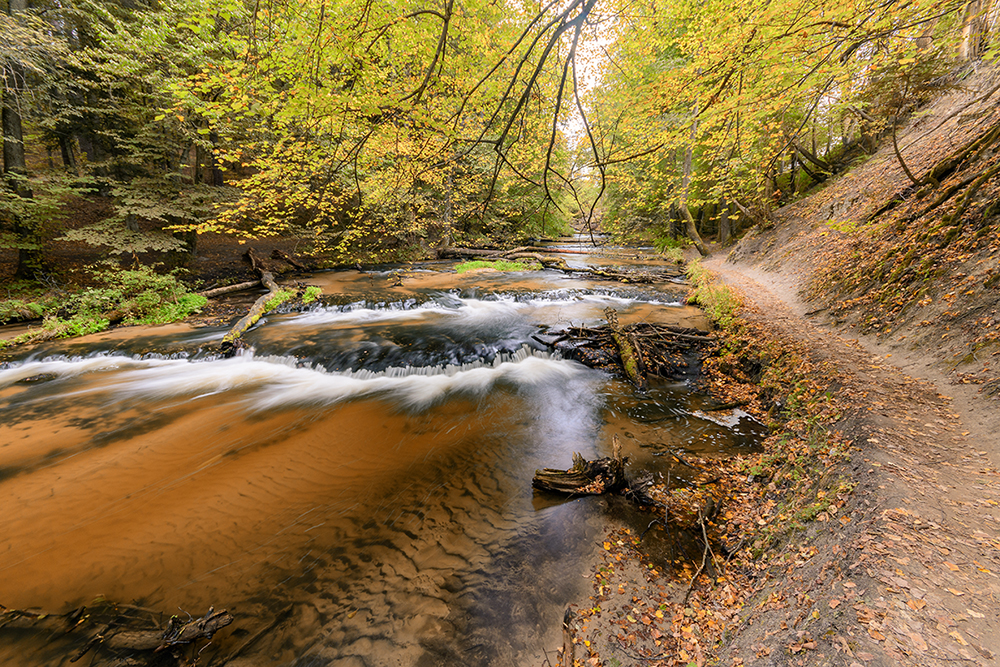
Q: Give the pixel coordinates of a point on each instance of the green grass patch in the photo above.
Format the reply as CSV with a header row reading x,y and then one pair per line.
x,y
498,265
718,301
311,294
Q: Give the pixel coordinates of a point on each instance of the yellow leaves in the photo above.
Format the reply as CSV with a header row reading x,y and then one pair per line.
x,y
918,641
957,637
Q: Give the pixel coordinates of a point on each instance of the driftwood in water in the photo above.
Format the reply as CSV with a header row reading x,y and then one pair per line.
x,y
635,350
569,647
119,629
593,478
585,478
232,342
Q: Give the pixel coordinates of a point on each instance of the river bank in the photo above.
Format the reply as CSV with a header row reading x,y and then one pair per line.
x,y
867,331
865,532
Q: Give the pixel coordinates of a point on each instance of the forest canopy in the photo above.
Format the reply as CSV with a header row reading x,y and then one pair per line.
x,y
382,129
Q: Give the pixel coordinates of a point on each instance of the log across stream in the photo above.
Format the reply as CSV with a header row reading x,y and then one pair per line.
x,y
356,485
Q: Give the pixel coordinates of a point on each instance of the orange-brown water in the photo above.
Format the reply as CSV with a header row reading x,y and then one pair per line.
x,y
383,518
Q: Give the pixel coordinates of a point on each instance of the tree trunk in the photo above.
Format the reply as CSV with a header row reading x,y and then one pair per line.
x,y
791,177
689,225
29,255
973,30
724,229
217,178
68,154
13,141
198,169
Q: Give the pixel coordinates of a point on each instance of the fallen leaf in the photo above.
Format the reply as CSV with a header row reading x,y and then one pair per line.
x,y
916,605
876,635
834,603
952,566
918,641
958,638
867,657
956,592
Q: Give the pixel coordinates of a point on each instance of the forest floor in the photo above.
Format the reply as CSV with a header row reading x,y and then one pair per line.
x,y
904,569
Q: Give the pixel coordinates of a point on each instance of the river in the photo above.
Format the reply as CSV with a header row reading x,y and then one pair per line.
x,y
359,482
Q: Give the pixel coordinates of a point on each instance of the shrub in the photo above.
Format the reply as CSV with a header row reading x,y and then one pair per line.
x,y
133,296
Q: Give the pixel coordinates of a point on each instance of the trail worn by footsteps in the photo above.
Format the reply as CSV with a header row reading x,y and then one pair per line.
x,y
911,577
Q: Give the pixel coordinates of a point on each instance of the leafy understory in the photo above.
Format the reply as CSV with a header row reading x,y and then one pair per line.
x,y
136,296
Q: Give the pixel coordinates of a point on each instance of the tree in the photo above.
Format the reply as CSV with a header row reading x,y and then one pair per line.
x,y
24,49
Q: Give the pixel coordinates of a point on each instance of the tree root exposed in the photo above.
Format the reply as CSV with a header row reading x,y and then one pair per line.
x,y
129,634
955,162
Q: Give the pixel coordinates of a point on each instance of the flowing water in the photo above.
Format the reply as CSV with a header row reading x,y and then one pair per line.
x,y
359,484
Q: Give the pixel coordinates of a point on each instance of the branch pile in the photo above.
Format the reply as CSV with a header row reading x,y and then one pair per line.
x,y
634,350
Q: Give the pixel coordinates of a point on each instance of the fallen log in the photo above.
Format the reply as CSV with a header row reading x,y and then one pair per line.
x,y
232,342
229,289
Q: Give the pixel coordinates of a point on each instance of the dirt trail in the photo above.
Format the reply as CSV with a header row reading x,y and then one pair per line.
x,y
911,576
